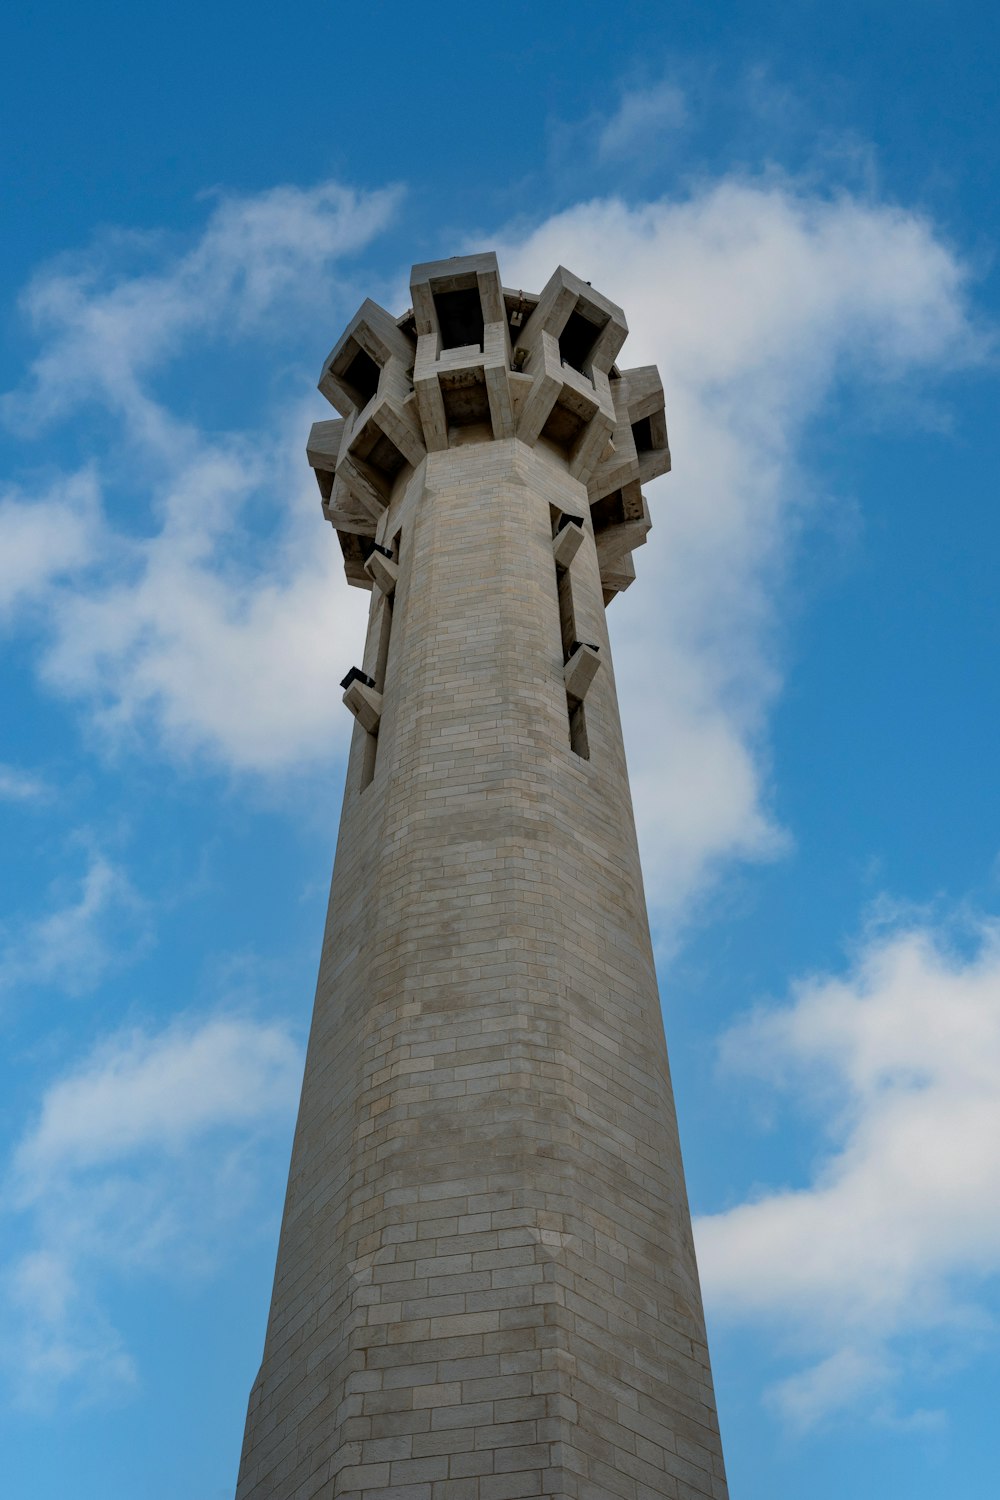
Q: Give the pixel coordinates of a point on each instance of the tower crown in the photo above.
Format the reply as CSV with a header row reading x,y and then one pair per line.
x,y
473,361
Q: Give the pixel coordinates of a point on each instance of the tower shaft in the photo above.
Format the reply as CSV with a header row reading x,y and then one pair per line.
x,y
486,1284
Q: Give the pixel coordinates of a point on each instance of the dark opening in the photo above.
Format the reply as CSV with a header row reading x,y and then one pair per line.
x,y
563,426
362,375
466,400
567,617
578,741
460,318
577,340
609,511
385,457
384,629
368,759
643,434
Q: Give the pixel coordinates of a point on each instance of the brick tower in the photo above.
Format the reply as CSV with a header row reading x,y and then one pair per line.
x,y
486,1283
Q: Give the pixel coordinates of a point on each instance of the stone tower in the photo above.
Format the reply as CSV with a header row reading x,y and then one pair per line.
x,y
486,1284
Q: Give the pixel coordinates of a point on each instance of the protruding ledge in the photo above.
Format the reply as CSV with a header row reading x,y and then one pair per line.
x,y
363,699
581,669
566,543
382,570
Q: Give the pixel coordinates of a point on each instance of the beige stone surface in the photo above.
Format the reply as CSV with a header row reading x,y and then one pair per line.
x,y
486,1285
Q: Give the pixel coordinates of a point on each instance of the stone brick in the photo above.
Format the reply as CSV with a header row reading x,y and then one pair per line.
x,y
486,1285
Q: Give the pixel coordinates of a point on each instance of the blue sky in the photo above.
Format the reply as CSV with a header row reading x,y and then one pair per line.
x,y
796,206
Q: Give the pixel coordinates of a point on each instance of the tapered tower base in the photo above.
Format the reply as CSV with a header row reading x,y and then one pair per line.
x,y
486,1285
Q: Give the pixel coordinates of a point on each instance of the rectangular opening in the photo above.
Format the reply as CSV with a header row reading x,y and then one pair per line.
x,y
643,434
460,318
373,447
563,427
577,340
362,376
567,617
466,400
610,511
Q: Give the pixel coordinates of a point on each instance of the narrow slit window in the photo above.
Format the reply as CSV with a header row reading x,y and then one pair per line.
x,y
383,629
578,741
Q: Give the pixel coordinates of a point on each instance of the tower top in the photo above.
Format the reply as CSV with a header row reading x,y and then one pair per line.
x,y
473,361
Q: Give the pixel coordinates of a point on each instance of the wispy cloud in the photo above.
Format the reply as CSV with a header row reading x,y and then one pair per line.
x,y
897,1234
643,116
140,1158
104,329
83,935
21,786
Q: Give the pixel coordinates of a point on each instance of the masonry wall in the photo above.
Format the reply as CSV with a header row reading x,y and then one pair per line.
x,y
486,1284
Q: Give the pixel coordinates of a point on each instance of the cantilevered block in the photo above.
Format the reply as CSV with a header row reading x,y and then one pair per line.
x,y
370,344
566,543
365,704
379,444
571,409
462,371
622,534
588,327
382,570
322,451
581,669
647,419
617,577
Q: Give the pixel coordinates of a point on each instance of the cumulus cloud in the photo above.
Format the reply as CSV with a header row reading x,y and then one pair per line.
x,y
896,1234
758,300
140,1159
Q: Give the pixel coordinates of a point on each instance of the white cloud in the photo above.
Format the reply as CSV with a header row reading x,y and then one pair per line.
x,y
641,118
139,1092
73,945
140,1158
897,1233
104,329
215,637
44,538
59,1340
222,643
756,300
21,786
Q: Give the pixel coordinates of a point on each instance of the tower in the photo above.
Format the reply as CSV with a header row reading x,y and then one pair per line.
x,y
486,1285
